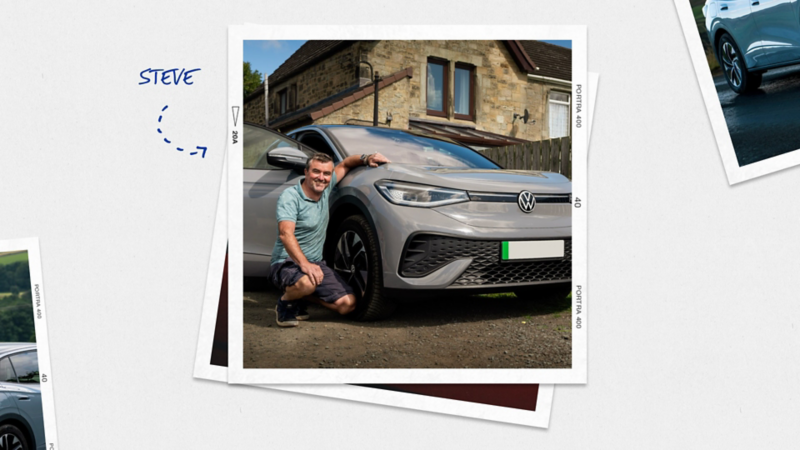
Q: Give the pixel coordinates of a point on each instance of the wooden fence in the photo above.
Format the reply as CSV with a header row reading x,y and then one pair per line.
x,y
551,155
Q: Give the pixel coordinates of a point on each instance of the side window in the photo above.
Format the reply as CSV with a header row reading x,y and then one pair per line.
x,y
258,142
7,374
318,143
26,365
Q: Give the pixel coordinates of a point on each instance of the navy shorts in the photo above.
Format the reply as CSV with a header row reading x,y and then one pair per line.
x,y
332,288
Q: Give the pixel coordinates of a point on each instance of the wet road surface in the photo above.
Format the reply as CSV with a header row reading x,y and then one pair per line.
x,y
765,123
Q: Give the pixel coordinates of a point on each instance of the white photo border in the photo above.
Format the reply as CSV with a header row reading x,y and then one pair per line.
x,y
203,369
31,245
216,264
735,173
577,374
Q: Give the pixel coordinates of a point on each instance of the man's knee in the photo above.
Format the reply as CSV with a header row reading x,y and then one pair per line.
x,y
346,304
304,286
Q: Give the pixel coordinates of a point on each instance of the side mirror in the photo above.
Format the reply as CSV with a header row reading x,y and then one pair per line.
x,y
287,158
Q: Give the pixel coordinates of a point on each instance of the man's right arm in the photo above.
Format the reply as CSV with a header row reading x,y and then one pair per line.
x,y
286,229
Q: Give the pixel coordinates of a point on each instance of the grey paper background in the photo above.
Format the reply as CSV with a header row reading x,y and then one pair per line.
x,y
693,338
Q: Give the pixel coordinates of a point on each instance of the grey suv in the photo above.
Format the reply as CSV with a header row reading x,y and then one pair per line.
x,y
440,218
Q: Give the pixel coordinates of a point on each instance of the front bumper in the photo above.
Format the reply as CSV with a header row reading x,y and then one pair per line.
x,y
458,256
427,254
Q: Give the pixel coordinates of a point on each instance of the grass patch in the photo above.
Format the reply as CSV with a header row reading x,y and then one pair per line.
x,y
542,306
12,257
698,14
500,295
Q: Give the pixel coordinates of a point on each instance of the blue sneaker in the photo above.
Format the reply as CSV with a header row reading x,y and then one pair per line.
x,y
285,313
302,312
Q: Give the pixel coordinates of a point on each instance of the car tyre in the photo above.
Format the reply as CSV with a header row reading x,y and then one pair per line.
x,y
733,65
353,253
548,293
11,438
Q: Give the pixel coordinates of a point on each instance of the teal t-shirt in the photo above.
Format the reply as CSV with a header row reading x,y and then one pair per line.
x,y
310,218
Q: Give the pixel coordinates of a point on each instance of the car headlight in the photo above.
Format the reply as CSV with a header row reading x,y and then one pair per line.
x,y
420,195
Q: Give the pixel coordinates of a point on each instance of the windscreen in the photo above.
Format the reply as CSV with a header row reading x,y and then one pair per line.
x,y
406,148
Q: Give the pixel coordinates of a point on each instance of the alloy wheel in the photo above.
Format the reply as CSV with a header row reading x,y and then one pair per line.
x,y
731,64
10,442
350,261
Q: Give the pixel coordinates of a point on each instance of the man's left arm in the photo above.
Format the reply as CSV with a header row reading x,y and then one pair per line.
x,y
353,161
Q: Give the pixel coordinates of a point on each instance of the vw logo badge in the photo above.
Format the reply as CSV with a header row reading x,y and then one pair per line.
x,y
526,201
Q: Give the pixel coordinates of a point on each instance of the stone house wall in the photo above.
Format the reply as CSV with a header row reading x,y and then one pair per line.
x,y
254,109
502,89
392,99
327,77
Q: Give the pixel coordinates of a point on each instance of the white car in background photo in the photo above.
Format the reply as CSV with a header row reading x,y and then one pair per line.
x,y
21,418
750,37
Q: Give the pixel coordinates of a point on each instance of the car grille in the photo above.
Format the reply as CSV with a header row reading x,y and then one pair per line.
x,y
426,253
512,198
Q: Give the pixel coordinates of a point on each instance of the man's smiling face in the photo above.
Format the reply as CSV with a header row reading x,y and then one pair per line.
x,y
318,176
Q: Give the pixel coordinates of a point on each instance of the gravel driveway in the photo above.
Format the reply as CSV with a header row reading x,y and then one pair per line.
x,y
498,331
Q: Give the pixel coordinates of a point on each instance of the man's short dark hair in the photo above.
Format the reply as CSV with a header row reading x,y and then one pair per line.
x,y
321,157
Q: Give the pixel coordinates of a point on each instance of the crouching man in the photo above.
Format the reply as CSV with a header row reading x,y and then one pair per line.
x,y
297,267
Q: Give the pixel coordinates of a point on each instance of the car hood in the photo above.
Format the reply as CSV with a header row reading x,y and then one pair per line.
x,y
481,180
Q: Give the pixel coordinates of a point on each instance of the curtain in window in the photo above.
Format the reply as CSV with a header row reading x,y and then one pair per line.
x,y
462,100
559,114
435,86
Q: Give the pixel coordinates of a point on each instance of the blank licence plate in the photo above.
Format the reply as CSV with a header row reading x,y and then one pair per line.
x,y
516,250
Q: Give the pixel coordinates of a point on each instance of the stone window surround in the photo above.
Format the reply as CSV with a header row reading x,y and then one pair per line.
x,y
287,99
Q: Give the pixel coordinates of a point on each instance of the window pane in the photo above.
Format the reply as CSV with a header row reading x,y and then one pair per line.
x,y
7,372
435,87
559,120
406,148
257,143
27,367
559,96
462,100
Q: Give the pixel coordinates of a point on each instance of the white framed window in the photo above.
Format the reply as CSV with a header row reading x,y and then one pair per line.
x,y
558,111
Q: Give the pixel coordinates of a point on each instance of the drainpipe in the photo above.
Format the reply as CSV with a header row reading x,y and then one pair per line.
x,y
376,79
375,111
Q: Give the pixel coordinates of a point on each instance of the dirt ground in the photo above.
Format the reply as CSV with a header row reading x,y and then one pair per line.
x,y
498,331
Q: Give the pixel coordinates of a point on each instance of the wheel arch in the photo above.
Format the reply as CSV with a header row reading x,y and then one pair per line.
x,y
717,36
380,306
343,208
23,425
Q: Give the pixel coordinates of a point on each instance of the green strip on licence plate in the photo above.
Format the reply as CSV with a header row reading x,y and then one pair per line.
x,y
505,250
